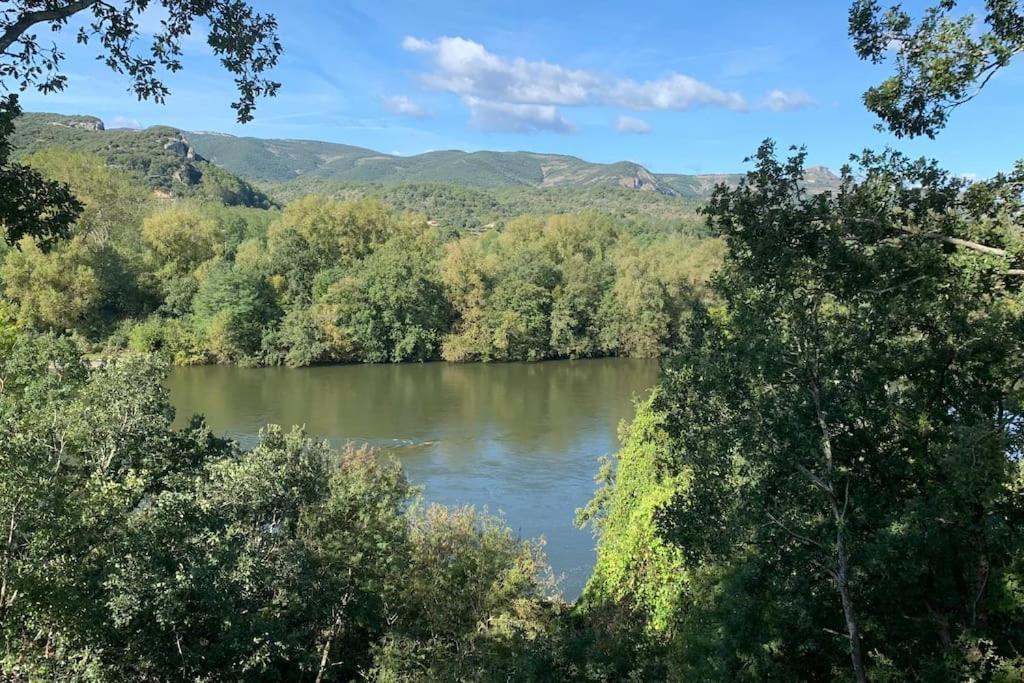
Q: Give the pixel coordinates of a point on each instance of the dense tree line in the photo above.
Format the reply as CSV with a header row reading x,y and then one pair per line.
x,y
325,280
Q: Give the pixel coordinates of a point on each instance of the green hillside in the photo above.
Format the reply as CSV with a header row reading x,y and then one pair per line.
x,y
174,161
283,160
160,155
274,161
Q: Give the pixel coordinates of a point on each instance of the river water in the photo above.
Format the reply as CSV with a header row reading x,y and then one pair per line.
x,y
519,439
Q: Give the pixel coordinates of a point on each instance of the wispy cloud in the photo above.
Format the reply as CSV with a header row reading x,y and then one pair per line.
x,y
510,117
631,124
786,100
400,104
468,69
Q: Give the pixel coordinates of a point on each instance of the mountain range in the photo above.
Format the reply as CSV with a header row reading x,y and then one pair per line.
x,y
169,157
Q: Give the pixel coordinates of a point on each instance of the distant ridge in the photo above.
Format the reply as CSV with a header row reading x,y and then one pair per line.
x,y
279,160
177,153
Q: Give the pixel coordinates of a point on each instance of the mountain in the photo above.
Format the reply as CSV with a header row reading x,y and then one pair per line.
x,y
161,156
176,161
270,160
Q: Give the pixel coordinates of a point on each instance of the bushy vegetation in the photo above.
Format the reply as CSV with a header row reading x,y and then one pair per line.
x,y
326,280
134,551
457,208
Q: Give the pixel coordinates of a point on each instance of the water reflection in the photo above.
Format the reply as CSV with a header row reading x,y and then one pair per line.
x,y
521,439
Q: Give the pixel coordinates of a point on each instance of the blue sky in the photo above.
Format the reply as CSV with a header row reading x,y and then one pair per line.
x,y
686,87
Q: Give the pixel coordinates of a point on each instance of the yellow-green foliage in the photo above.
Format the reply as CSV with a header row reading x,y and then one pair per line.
x,y
635,568
55,291
113,202
179,239
337,230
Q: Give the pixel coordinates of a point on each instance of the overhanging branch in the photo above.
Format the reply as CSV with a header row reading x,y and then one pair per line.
x,y
29,19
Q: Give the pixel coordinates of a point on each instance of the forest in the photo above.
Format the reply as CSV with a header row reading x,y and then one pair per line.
x,y
326,280
826,484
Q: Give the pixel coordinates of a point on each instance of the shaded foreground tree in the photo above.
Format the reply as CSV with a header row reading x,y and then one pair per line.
x,y
245,41
133,551
833,471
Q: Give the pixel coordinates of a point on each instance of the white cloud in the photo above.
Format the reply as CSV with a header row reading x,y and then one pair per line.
x,y
123,122
466,68
676,92
630,124
786,100
400,104
510,117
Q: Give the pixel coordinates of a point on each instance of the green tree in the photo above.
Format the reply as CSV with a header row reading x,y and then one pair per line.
x,y
393,307
178,240
113,202
581,246
136,551
231,309
843,435
58,291
314,234
31,205
245,42
472,607
942,61
467,273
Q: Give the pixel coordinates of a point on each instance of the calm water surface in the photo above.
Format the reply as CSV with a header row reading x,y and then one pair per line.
x,y
519,439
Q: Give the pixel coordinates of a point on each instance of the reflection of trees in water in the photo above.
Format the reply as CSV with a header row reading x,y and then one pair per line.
x,y
543,407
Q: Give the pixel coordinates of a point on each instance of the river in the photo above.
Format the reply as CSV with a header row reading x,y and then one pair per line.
x,y
520,439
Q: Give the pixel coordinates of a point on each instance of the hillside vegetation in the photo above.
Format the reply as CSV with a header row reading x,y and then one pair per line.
x,y
455,207
161,157
273,160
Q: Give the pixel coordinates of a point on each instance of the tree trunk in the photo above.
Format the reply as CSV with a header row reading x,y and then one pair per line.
x,y
852,625
842,553
325,657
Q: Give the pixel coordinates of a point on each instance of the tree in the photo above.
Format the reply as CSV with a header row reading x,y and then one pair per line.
x,y
393,308
231,309
839,433
178,240
30,205
58,291
314,234
942,62
113,202
581,246
244,40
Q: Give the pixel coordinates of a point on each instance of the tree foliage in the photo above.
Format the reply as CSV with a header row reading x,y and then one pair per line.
x,y
833,471
32,205
136,551
942,61
245,41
